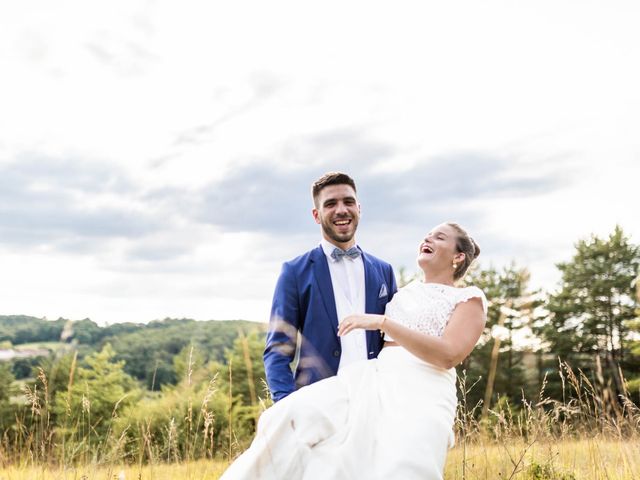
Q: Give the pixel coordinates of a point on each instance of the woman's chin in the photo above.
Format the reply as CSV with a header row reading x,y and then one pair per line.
x,y
424,261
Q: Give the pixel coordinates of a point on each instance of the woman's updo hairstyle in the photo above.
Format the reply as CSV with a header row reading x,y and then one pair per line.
x,y
464,244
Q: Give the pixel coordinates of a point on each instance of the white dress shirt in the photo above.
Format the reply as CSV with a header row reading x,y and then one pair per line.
x,y
347,278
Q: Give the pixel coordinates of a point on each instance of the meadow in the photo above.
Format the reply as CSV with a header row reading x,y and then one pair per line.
x,y
593,458
589,435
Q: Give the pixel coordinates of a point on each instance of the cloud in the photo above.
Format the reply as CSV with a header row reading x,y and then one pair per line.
x,y
272,197
61,202
262,86
268,196
71,205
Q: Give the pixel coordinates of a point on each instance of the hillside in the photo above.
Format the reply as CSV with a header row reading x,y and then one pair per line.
x,y
147,349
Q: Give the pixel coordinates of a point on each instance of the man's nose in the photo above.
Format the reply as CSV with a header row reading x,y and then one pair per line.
x,y
341,208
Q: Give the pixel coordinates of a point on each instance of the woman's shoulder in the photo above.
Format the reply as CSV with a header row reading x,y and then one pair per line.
x,y
464,294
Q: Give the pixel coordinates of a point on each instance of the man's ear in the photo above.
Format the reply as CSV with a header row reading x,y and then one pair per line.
x,y
316,215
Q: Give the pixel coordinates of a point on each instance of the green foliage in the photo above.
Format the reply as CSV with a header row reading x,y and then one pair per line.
x,y
96,392
23,367
593,312
86,332
243,377
6,382
508,292
633,387
82,405
149,351
211,411
248,368
24,329
56,371
185,360
6,391
546,471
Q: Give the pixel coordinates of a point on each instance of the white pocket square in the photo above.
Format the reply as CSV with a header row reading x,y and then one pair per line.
x,y
383,291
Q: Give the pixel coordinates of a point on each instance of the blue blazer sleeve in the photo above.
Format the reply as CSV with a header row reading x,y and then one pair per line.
x,y
284,324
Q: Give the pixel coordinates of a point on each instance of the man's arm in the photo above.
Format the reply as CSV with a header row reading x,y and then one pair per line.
x,y
284,325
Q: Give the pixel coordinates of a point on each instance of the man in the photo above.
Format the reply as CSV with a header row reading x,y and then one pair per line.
x,y
318,289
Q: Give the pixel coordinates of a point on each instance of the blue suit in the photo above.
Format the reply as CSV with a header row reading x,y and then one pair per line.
x,y
303,302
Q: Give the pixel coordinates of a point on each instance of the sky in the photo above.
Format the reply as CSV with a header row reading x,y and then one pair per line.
x,y
156,157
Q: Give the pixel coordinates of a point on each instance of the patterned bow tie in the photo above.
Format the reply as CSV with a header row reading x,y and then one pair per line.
x,y
338,253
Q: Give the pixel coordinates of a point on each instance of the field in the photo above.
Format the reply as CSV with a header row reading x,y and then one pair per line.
x,y
91,421
566,460
586,459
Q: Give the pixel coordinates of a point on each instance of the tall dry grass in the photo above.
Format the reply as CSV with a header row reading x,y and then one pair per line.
x,y
588,434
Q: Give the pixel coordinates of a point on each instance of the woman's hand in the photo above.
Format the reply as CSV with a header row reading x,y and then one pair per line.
x,y
366,321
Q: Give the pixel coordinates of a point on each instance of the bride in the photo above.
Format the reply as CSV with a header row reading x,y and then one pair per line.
x,y
391,417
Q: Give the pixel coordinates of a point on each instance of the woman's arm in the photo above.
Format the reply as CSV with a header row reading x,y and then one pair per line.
x,y
458,339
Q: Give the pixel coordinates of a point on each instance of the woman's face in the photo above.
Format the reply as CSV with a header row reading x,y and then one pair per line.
x,y
438,249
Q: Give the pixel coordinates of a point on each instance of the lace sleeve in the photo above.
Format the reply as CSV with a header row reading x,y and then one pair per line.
x,y
465,294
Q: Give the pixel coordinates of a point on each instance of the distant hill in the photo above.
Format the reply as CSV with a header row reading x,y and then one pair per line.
x,y
148,349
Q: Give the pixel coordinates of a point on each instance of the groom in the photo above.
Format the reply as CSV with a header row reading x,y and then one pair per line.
x,y
319,288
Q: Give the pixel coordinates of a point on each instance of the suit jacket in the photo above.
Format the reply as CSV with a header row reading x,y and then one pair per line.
x,y
303,303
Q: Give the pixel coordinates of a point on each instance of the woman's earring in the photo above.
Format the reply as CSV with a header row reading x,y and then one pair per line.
x,y
454,265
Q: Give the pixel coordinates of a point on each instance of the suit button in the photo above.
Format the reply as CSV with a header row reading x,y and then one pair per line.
x,y
336,353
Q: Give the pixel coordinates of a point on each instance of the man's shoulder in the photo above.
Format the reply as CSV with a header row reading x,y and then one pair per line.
x,y
373,259
303,259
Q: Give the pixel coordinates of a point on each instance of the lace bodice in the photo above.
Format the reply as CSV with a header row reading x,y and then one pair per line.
x,y
427,307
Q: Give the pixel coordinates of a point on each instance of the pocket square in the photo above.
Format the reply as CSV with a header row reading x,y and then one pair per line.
x,y
383,291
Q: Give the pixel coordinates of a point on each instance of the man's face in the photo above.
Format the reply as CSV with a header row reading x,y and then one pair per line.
x,y
338,212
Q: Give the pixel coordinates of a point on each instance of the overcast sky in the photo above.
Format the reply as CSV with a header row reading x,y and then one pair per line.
x,y
156,156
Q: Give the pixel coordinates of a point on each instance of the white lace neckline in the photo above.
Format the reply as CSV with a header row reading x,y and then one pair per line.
x,y
437,284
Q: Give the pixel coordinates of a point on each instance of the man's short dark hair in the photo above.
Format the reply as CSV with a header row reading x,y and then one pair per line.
x,y
331,178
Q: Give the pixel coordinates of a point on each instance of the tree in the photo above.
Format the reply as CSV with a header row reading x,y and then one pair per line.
x,y
96,391
243,379
6,390
496,363
86,331
633,384
592,313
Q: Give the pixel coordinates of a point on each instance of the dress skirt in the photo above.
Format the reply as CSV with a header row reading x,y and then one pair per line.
x,y
391,417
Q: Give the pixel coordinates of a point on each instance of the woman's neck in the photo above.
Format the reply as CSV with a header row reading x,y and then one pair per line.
x,y
446,279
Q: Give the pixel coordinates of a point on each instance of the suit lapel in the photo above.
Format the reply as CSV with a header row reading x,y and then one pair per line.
x,y
371,288
371,285
323,279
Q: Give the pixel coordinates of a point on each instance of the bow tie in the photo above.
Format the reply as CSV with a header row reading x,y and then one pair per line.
x,y
338,253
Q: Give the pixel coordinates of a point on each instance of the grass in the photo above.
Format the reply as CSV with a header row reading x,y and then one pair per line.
x,y
581,459
53,346
595,458
589,434
196,470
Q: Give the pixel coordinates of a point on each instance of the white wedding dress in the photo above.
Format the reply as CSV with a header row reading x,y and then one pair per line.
x,y
387,418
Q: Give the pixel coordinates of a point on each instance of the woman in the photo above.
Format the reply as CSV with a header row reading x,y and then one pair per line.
x,y
391,417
